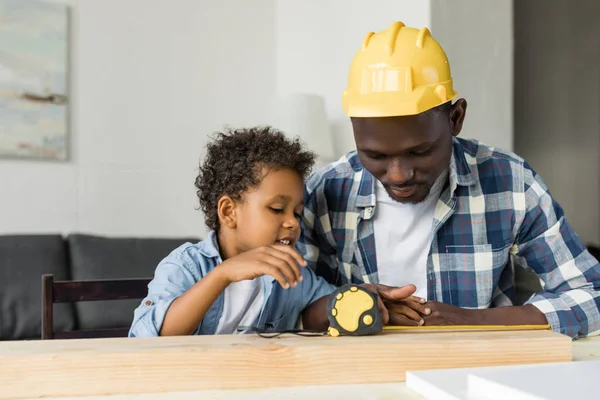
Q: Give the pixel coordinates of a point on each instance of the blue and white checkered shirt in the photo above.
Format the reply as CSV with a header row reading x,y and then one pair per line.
x,y
494,209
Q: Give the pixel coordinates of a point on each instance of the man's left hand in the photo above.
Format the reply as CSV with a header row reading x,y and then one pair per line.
x,y
446,314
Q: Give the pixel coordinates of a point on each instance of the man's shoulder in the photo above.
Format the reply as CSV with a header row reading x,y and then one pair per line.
x,y
335,173
485,160
481,152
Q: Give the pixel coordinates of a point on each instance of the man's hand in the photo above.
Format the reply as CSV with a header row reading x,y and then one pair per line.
x,y
398,306
446,314
404,311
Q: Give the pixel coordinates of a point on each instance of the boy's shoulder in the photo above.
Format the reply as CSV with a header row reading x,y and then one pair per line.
x,y
198,253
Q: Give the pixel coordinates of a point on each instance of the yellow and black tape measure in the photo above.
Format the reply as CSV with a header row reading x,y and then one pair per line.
x,y
352,310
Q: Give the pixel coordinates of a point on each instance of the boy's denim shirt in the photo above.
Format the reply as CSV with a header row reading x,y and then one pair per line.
x,y
189,263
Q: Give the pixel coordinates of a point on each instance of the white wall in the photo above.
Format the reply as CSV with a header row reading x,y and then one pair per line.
x,y
152,78
150,81
316,41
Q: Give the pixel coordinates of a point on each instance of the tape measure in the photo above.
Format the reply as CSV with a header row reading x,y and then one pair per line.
x,y
352,310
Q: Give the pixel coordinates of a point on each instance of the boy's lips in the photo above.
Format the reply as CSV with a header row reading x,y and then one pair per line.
x,y
286,241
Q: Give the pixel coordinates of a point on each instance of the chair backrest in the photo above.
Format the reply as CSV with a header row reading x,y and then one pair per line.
x,y
88,290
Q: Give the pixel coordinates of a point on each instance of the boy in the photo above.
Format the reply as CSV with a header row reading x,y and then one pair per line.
x,y
247,271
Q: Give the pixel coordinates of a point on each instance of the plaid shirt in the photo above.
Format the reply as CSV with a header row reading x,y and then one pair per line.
x,y
494,213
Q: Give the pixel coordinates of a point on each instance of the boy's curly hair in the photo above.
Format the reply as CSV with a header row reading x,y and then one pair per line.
x,y
235,159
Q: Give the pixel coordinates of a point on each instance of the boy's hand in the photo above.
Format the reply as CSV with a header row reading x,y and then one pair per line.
x,y
279,261
398,306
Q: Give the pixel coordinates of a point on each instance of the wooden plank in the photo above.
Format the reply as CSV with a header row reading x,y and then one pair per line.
x,y
165,364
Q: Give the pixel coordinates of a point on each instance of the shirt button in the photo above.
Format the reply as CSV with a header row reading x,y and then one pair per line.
x,y
148,302
368,212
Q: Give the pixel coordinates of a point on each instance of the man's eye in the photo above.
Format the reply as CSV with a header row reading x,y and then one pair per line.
x,y
377,156
422,152
276,210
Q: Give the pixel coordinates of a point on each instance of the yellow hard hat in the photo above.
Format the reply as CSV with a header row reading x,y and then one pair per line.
x,y
398,71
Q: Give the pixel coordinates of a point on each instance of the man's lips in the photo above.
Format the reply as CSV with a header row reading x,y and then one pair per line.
x,y
403,191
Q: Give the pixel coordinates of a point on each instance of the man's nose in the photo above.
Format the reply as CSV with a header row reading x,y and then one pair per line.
x,y
399,172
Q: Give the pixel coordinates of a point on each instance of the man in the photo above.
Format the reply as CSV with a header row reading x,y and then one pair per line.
x,y
416,205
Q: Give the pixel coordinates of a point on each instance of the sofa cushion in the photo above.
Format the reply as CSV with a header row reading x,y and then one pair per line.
x,y
94,257
23,261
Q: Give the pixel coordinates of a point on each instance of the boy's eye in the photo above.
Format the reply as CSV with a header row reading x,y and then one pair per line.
x,y
276,210
297,215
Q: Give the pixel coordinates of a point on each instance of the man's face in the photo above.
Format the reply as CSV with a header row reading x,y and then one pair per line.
x,y
407,154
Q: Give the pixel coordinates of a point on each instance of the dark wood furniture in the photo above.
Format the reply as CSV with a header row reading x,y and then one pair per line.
x,y
88,290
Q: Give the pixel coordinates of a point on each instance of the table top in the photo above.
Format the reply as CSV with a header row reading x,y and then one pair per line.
x,y
583,349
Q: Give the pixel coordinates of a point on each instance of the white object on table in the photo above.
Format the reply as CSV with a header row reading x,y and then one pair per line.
x,y
553,381
556,381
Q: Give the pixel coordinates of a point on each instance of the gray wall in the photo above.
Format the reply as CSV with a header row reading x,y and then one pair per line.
x,y
557,103
477,36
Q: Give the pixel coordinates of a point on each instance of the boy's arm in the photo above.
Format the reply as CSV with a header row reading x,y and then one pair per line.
x,y
315,292
174,275
314,316
187,311
179,296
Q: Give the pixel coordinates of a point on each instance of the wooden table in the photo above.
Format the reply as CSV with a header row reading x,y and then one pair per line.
x,y
583,349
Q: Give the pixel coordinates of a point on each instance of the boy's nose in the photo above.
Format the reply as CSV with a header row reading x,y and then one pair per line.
x,y
291,223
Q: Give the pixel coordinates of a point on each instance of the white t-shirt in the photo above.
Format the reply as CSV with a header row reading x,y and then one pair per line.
x,y
242,304
403,234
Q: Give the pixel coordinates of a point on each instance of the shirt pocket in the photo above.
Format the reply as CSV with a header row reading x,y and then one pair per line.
x,y
470,273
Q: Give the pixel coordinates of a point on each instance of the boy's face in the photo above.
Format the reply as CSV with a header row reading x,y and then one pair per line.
x,y
269,214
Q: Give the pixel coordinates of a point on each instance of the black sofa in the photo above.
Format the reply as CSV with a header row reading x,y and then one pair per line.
x,y
25,258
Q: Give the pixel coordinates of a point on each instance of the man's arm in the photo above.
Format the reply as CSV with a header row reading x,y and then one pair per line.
x,y
547,245
446,314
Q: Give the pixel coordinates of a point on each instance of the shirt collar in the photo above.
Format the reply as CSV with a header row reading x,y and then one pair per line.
x,y
460,171
210,246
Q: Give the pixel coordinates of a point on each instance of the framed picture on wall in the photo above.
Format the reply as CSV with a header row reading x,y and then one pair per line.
x,y
34,80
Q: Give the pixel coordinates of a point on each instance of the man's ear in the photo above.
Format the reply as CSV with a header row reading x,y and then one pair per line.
x,y
457,115
226,209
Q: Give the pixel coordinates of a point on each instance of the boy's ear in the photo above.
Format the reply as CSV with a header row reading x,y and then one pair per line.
x,y
226,208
